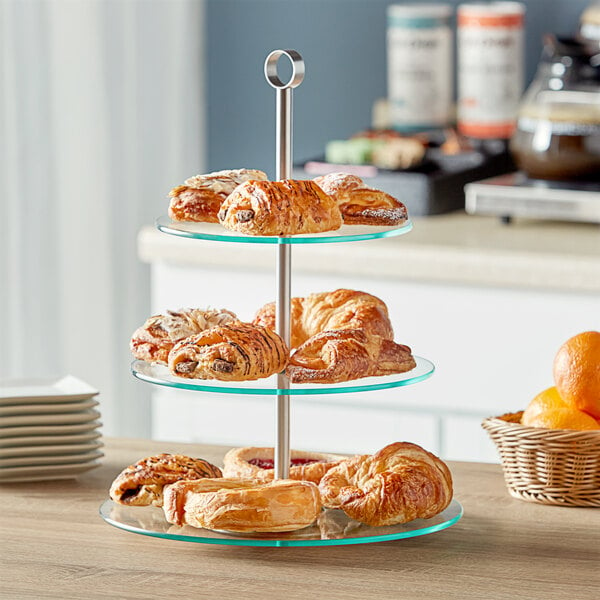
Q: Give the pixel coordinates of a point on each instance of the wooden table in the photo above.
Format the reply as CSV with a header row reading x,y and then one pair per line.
x,y
53,544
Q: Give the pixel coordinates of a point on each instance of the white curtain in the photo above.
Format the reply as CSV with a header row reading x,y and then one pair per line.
x,y
101,113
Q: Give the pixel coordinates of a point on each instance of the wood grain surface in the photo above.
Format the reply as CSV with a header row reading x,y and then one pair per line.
x,y
53,544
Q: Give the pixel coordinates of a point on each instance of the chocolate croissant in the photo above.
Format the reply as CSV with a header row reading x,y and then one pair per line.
x,y
200,197
360,204
287,207
154,340
233,352
142,483
399,483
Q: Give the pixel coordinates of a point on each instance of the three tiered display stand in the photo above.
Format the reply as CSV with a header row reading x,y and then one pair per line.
x,y
333,526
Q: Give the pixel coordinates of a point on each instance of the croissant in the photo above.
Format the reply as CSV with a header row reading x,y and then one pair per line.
x,y
243,505
360,204
285,207
399,483
232,352
154,340
142,483
200,197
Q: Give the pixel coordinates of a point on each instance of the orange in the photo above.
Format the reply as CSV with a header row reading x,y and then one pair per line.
x,y
563,418
545,401
577,372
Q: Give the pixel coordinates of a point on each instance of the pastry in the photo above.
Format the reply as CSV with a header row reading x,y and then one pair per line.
x,y
287,207
339,336
399,483
142,483
233,352
154,340
360,204
200,197
258,464
242,505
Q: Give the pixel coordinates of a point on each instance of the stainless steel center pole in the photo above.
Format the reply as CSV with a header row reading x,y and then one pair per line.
x,y
283,159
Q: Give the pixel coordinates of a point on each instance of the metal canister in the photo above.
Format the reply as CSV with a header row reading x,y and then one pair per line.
x,y
490,68
419,61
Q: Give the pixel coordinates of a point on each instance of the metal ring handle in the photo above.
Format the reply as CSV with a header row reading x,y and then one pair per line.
x,y
297,69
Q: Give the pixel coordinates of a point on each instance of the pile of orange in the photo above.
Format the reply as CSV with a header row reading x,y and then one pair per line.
x,y
574,401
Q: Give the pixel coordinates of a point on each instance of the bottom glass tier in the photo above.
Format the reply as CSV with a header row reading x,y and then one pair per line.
x,y
333,528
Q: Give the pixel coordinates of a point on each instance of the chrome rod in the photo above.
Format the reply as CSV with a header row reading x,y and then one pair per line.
x,y
283,163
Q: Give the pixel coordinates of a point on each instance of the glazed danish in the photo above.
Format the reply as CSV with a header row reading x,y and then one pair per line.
x,y
154,340
287,207
360,204
233,352
142,483
399,483
200,197
241,505
258,464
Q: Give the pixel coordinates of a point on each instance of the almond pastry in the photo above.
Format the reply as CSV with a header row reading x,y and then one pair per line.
x,y
154,340
399,483
233,352
258,464
142,483
242,505
200,197
287,207
360,204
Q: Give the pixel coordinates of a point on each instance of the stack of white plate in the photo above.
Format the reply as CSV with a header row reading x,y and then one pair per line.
x,y
48,429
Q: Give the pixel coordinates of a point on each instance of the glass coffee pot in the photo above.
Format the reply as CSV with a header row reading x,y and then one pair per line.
x,y
558,127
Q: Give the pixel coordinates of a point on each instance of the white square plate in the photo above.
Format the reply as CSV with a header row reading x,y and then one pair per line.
x,y
50,440
19,451
58,419
28,391
57,459
49,429
44,409
16,474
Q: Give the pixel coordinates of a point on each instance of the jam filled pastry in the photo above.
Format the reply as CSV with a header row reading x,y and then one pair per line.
x,y
243,506
154,340
233,352
258,464
287,207
200,197
360,204
142,483
399,483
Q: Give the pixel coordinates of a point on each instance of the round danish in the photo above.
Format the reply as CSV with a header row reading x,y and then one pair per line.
x,y
399,483
142,483
258,464
243,506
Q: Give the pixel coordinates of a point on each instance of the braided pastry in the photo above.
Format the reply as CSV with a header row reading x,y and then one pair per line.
x,y
243,505
399,483
360,204
232,352
142,483
200,197
154,340
285,207
258,464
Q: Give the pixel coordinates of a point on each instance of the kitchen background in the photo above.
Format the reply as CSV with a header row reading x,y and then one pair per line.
x,y
107,105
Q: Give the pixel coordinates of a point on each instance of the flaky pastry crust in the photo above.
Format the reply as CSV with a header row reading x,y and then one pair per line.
x,y
234,352
287,207
142,483
241,505
201,196
399,483
305,466
360,204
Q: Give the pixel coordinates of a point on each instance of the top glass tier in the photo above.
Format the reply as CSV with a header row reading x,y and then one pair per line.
x,y
216,232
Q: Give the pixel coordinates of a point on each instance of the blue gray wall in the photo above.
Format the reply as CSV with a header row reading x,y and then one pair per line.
x,y
343,45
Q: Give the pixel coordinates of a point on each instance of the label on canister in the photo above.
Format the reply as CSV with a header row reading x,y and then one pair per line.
x,y
419,57
490,68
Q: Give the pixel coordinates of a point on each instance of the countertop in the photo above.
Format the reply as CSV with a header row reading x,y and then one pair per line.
x,y
454,248
55,545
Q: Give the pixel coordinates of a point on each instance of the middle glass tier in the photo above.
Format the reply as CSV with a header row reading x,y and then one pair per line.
x,y
160,375
218,233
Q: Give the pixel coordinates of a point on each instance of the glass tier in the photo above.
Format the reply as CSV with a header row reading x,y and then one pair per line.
x,y
333,528
216,232
160,375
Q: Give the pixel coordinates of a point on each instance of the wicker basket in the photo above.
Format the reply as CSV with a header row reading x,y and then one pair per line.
x,y
549,466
